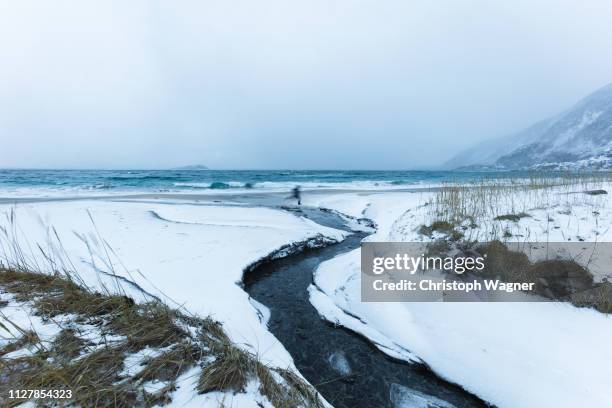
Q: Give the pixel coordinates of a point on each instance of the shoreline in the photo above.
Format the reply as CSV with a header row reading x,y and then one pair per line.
x,y
249,197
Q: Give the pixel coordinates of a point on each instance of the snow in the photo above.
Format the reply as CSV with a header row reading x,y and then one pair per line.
x,y
184,397
15,320
193,256
262,310
509,354
133,362
404,397
599,162
587,119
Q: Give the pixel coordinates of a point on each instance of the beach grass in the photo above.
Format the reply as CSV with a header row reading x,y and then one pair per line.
x,y
96,369
488,214
478,208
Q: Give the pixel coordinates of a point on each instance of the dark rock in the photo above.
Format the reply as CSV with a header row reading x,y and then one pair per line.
x,y
595,192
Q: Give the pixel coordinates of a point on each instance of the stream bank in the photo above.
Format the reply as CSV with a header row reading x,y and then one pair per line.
x,y
346,369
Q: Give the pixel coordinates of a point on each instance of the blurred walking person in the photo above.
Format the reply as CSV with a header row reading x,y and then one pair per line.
x,y
297,194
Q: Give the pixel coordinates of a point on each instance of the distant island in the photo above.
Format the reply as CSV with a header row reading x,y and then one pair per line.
x,y
191,167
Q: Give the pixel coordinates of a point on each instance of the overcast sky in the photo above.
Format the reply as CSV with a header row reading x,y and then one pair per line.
x,y
315,84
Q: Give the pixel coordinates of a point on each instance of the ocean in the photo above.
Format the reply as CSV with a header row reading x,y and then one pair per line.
x,y
62,182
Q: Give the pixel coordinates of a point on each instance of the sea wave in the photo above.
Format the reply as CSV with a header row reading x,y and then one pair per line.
x,y
288,185
215,185
101,187
97,182
143,178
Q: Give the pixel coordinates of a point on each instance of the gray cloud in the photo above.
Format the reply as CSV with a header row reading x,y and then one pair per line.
x,y
283,84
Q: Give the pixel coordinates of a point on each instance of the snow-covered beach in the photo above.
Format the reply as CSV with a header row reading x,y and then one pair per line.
x,y
191,250
189,254
509,354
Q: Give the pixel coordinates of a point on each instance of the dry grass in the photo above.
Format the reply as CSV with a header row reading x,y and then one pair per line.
x,y
485,201
512,217
67,345
443,227
233,368
96,372
99,331
489,211
437,226
170,364
27,338
501,263
230,371
558,279
599,297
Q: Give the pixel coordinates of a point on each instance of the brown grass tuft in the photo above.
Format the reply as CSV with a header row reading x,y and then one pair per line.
x,y
512,217
94,373
230,371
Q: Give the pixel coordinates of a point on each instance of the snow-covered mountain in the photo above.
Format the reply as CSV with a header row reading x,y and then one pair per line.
x,y
579,138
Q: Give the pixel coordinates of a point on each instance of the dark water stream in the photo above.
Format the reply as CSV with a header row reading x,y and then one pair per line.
x,y
346,369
